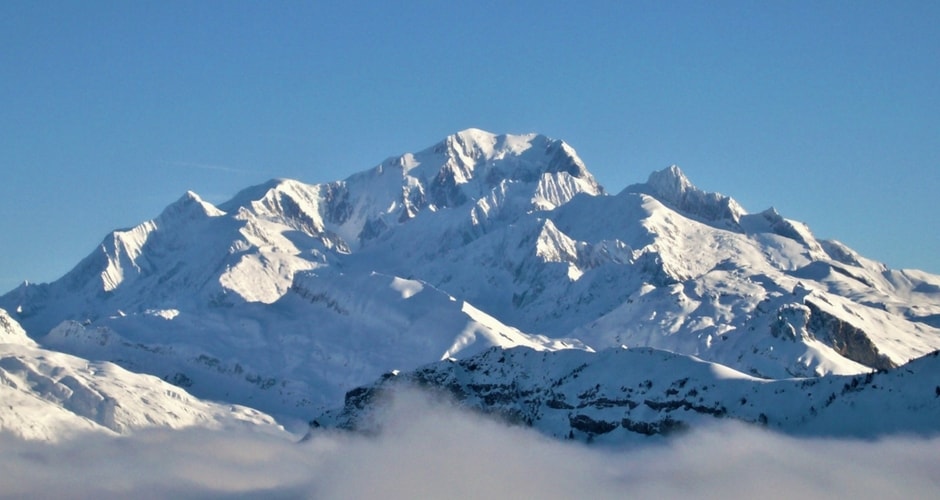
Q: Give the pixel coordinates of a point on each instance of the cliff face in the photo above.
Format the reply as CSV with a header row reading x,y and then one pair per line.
x,y
847,340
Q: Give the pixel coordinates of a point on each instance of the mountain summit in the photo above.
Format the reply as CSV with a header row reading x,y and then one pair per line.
x,y
673,188
290,294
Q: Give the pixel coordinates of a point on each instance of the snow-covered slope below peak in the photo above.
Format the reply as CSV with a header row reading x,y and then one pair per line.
x,y
50,396
418,316
486,331
296,356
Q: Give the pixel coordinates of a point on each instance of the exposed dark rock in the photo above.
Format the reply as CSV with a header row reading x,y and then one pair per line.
x,y
359,397
587,424
558,404
717,411
609,403
182,380
847,340
665,426
372,229
338,207
444,190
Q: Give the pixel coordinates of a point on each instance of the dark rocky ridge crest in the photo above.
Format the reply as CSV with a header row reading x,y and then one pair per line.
x,y
577,398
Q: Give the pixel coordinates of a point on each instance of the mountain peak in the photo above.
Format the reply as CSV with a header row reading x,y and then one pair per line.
x,y
252,193
474,135
670,180
473,131
671,186
189,206
474,144
468,164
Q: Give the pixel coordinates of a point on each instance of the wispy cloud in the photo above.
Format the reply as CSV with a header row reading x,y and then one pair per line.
x,y
209,166
430,450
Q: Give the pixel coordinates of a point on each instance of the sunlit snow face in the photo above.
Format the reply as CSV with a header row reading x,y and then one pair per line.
x,y
433,451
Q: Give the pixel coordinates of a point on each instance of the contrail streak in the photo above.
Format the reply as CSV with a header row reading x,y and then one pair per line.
x,y
207,166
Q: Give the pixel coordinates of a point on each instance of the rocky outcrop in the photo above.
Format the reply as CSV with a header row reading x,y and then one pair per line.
x,y
846,339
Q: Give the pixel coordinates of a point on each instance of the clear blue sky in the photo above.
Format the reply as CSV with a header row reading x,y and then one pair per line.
x,y
829,111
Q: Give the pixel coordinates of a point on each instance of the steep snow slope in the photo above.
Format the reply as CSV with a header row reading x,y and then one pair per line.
x,y
49,396
297,355
628,394
12,333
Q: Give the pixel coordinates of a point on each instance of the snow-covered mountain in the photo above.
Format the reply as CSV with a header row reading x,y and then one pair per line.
x,y
263,300
50,395
290,294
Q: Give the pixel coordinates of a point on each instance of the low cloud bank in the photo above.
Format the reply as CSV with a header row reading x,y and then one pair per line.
x,y
431,450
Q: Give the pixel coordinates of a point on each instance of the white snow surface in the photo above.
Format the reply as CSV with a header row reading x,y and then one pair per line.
x,y
49,396
290,294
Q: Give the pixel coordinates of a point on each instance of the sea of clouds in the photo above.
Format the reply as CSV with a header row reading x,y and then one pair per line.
x,y
433,450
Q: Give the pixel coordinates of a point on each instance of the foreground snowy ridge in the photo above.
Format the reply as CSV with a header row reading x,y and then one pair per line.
x,y
619,395
288,295
49,396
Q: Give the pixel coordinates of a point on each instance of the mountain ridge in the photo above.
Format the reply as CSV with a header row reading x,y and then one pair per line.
x,y
623,395
51,396
273,298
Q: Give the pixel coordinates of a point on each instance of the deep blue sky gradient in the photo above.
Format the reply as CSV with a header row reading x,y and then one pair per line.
x,y
829,111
